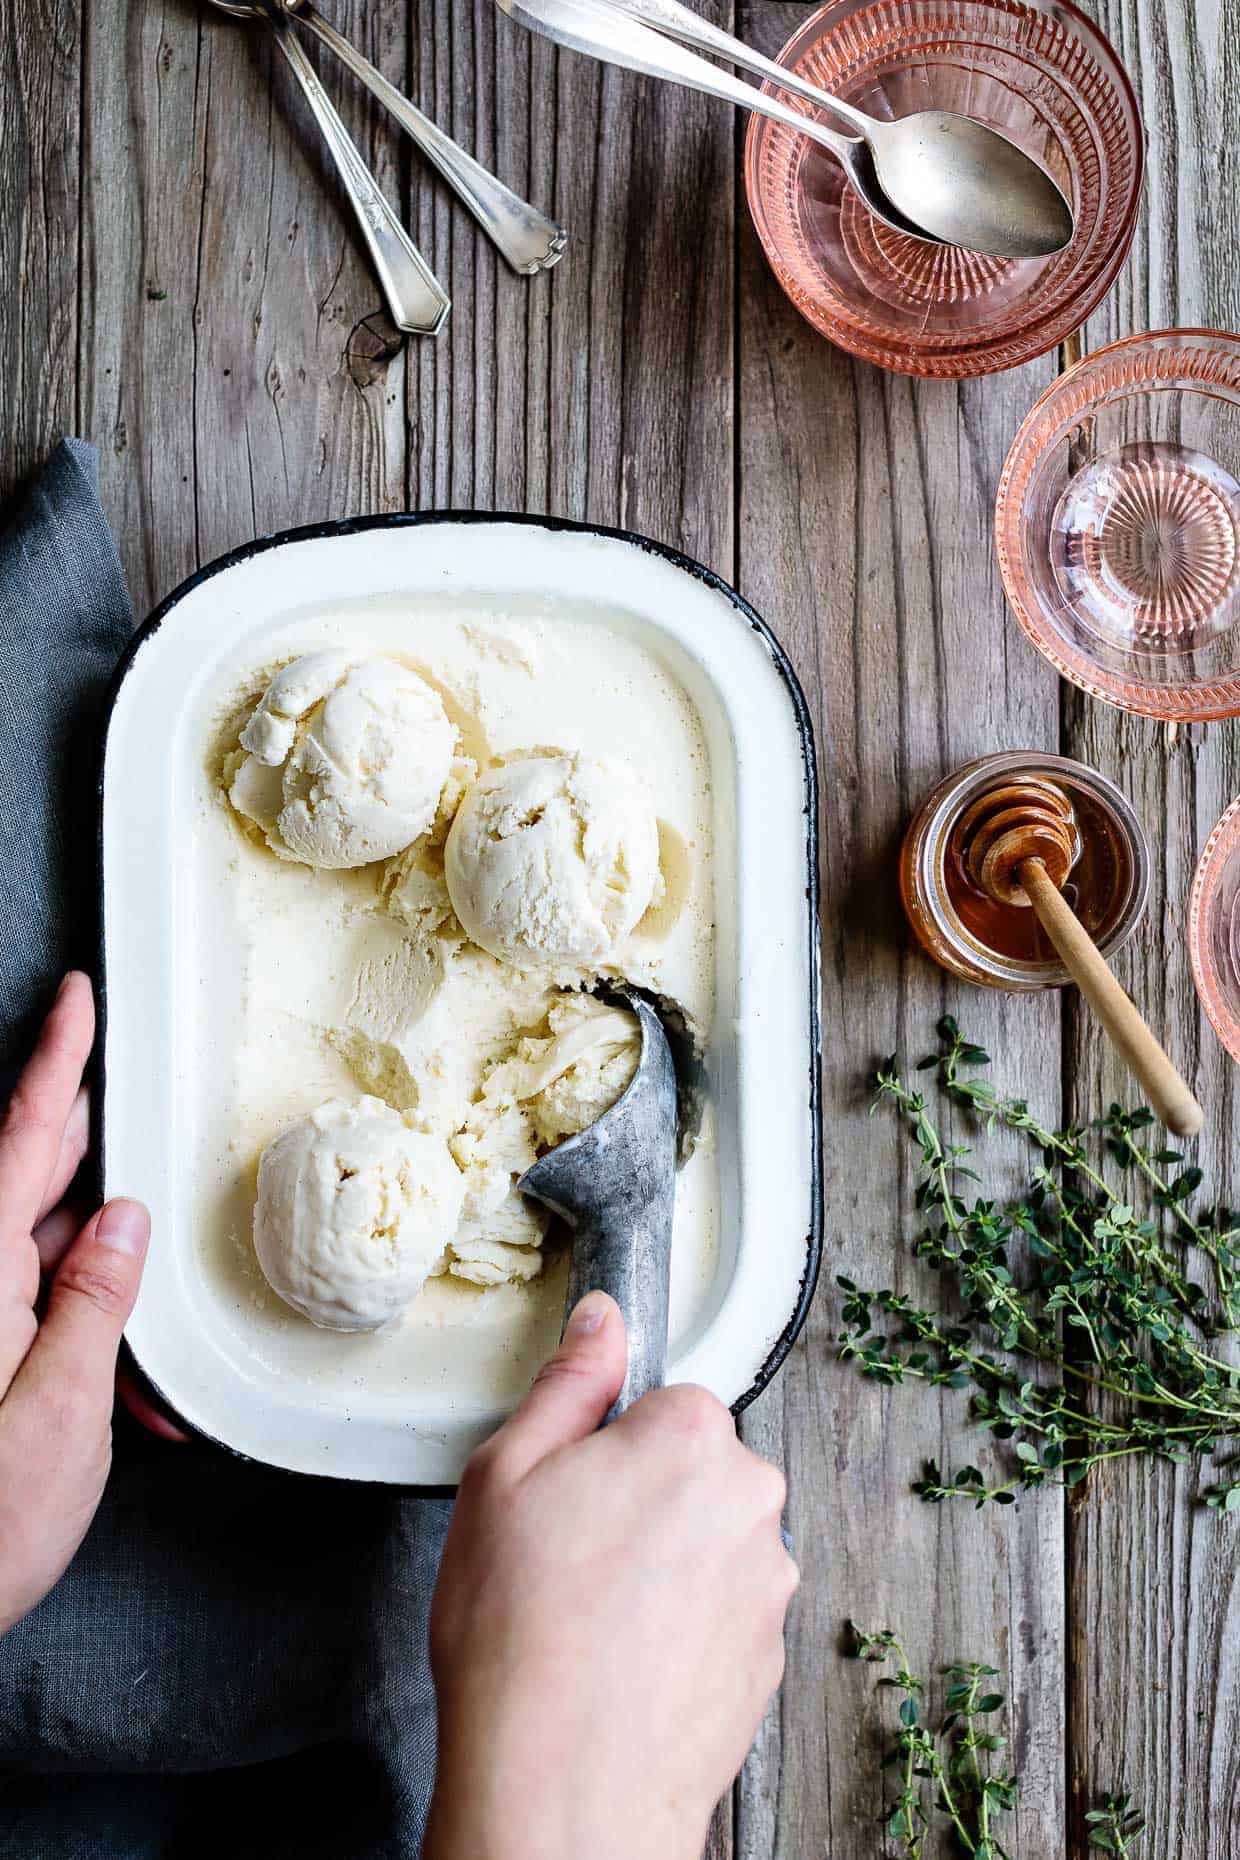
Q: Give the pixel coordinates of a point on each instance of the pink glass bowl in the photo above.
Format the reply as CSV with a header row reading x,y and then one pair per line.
x,y
1035,69
1214,929
1117,524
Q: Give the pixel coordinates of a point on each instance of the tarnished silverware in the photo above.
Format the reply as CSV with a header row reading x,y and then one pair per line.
x,y
416,299
526,238
939,176
957,178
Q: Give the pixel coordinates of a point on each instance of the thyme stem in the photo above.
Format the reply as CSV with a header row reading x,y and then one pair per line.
x,y
1107,1303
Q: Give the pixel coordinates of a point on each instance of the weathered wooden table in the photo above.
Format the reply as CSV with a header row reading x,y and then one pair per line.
x,y
179,286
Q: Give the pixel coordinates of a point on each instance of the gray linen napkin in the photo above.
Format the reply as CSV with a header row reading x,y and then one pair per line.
x,y
64,620
235,1663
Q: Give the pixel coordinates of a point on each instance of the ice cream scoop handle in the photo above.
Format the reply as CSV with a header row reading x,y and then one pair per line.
x,y
625,1250
1168,1094
614,1186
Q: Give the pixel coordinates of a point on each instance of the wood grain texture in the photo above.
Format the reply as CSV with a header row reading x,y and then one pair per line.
x,y
602,392
193,299
228,376
1154,1682
865,539
40,83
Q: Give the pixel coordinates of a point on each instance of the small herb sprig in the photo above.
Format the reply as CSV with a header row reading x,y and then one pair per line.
x,y
1116,1826
1108,1347
948,1777
954,1760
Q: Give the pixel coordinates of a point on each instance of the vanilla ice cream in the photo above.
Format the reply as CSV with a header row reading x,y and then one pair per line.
x,y
553,860
566,1075
364,995
343,762
502,1063
354,1212
551,1080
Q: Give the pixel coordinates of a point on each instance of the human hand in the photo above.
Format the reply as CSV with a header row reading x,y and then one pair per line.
x,y
56,1375
608,1623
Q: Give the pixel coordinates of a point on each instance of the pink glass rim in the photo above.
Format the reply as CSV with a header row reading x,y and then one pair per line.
x,y
1221,848
1040,429
942,361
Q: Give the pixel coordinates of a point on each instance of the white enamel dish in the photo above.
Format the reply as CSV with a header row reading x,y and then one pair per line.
x,y
161,951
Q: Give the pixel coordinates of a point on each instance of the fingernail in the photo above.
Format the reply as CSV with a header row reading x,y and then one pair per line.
x,y
588,1315
125,1226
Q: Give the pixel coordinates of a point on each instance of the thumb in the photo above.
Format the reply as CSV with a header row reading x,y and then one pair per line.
x,y
573,1390
91,1297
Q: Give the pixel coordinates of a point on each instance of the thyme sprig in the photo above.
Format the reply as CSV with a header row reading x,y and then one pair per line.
x,y
1108,1346
1116,1825
954,1759
948,1773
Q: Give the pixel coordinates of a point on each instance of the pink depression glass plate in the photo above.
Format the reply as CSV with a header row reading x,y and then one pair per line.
x,y
1214,929
1037,70
1117,524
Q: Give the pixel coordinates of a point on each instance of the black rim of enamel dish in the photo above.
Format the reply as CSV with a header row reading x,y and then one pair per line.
x,y
352,526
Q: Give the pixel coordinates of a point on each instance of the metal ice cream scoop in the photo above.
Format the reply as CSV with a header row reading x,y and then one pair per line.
x,y
615,1187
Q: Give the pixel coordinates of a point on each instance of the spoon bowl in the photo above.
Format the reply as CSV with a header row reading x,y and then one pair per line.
x,y
969,186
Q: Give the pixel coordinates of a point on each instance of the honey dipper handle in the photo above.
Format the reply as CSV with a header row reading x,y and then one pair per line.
x,y
1167,1093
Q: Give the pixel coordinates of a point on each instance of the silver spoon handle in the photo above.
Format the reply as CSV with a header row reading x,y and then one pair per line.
x,y
597,29
417,300
526,238
680,22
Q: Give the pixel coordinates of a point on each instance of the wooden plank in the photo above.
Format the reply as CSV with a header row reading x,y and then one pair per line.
x,y
1154,1698
40,77
230,378
603,392
865,539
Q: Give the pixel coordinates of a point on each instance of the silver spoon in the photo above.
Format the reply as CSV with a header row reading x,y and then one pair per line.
x,y
941,177
526,238
950,174
601,32
416,299
955,177
615,1186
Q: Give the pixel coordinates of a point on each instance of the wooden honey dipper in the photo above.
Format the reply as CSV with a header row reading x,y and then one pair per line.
x,y
1019,842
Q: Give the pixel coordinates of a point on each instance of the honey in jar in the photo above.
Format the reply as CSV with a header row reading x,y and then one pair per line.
x,y
1003,945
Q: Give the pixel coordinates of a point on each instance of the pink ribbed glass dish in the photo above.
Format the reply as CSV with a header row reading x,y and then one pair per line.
x,y
1117,524
1214,929
1035,69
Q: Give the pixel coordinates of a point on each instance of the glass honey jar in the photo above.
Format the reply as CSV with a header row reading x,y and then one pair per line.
x,y
1003,945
